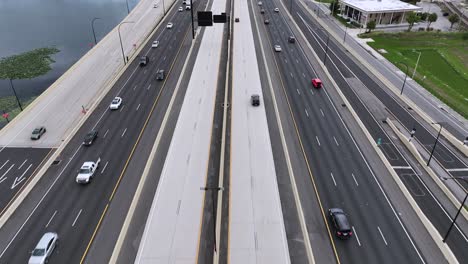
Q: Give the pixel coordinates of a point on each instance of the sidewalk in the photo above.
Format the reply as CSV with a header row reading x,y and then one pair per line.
x,y
72,98
173,228
256,226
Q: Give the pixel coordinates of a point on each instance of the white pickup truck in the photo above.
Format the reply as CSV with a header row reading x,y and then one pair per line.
x,y
87,170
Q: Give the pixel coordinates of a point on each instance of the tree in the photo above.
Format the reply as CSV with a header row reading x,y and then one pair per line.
x,y
423,16
370,26
431,18
411,19
334,7
453,18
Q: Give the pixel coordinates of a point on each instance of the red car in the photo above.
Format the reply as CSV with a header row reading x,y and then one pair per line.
x,y
317,83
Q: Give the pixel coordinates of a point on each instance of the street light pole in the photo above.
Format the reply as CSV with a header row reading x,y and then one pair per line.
x,y
435,144
417,61
213,209
459,210
406,75
16,96
120,38
92,27
128,9
345,32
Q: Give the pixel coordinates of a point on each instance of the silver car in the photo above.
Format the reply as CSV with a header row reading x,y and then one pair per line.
x,y
44,248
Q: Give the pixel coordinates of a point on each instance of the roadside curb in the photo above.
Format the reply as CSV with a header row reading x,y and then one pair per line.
x,y
452,139
448,254
410,146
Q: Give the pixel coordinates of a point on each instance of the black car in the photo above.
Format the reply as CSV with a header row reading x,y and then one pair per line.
x,y
291,39
262,11
38,132
255,99
144,60
340,223
90,137
160,75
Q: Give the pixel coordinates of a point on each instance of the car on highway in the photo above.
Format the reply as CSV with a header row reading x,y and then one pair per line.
x,y
169,25
90,137
317,83
188,7
277,48
115,104
291,39
262,11
267,21
155,44
255,100
87,171
181,9
38,132
160,75
276,10
184,2
260,3
340,223
144,60
44,248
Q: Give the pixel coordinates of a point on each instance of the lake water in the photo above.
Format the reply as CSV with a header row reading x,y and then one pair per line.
x,y
65,24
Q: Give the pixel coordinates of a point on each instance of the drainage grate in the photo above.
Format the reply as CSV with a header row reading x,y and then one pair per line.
x,y
56,162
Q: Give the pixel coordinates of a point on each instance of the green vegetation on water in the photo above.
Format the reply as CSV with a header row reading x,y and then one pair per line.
x,y
443,65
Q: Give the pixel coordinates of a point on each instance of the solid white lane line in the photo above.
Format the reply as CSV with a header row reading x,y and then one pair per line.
x,y
138,107
336,141
352,174
105,134
2,178
298,91
318,141
105,166
76,218
122,108
380,231
124,132
50,220
22,164
333,178
322,112
355,234
307,113
149,86
4,164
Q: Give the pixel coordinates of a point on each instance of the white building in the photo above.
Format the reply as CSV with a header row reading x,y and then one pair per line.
x,y
383,12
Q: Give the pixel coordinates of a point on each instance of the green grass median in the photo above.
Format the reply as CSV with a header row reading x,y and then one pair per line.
x,y
443,65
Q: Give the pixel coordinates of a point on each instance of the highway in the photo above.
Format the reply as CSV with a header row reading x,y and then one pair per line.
x,y
342,174
75,212
345,69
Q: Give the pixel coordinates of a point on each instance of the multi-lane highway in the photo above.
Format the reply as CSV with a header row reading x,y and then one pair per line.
x,y
75,211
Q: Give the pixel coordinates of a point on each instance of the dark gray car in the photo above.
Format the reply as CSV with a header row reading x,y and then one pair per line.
x,y
340,223
255,99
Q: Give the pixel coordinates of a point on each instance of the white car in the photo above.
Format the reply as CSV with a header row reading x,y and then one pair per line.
x,y
181,9
115,104
44,249
169,25
277,48
155,44
187,7
276,10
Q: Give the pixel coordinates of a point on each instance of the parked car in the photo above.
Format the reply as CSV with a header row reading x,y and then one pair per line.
x,y
278,48
255,99
340,223
169,25
44,248
115,104
155,44
160,75
38,132
291,39
144,60
90,137
317,83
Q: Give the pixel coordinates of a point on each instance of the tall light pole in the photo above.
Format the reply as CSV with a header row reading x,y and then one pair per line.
x,y
128,9
435,144
345,31
120,38
213,189
92,27
406,75
417,62
459,210
16,96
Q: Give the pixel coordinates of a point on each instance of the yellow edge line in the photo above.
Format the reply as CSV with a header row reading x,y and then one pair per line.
x,y
307,163
131,153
